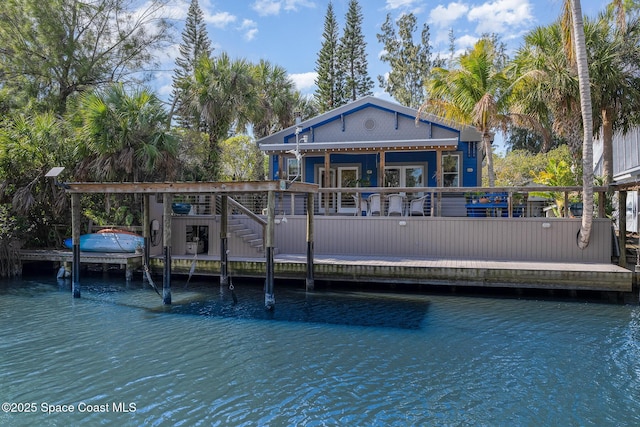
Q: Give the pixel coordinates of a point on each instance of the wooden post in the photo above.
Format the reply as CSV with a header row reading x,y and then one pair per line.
x,y
565,213
310,279
327,181
622,228
269,298
146,230
439,182
166,233
75,241
602,201
381,169
224,256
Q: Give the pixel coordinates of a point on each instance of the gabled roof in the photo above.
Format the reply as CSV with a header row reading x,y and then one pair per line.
x,y
467,133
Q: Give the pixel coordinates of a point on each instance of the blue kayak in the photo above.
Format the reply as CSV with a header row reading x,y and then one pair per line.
x,y
108,242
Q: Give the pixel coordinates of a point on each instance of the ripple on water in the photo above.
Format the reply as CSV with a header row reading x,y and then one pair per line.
x,y
318,359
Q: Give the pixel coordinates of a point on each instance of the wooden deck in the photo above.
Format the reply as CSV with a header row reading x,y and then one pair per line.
x,y
448,272
128,261
379,269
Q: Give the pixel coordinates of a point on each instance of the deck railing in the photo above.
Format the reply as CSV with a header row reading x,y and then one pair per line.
x,y
502,202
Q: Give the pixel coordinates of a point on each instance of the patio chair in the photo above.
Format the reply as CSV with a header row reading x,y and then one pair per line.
x,y
374,204
361,204
396,205
416,206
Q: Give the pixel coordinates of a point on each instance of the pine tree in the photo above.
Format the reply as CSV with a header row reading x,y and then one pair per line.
x,y
195,44
353,56
330,81
410,63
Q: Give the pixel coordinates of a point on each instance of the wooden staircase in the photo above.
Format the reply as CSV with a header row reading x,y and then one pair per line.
x,y
247,234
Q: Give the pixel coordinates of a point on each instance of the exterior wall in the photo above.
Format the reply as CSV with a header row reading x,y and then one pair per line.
x,y
516,239
626,152
373,123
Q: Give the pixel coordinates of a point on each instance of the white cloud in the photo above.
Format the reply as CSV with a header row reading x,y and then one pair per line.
x,y
465,42
443,17
397,4
250,28
267,7
304,81
500,15
220,19
273,7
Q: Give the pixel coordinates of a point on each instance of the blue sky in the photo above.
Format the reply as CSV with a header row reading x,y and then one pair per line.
x,y
289,32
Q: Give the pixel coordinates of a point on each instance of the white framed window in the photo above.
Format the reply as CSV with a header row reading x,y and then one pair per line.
x,y
404,176
451,170
293,169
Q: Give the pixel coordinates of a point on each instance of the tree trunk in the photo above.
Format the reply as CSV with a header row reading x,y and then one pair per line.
x,y
584,236
607,146
486,140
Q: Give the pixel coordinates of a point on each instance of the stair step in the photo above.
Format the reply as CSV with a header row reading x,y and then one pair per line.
x,y
249,237
243,232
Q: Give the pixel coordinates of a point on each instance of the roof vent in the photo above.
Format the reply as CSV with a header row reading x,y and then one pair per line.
x,y
369,124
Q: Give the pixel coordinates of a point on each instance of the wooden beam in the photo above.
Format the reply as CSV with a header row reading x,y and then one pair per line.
x,y
381,169
327,180
188,187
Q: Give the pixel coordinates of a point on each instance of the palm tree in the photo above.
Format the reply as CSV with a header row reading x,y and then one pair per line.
x,y
472,94
584,235
222,93
544,96
123,137
276,99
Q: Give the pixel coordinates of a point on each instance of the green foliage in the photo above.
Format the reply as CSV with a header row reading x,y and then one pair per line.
x,y
330,81
353,56
195,44
240,159
122,136
474,93
559,173
53,49
223,93
410,62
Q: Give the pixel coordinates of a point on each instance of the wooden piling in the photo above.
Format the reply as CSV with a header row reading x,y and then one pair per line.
x,y
622,228
166,250
310,285
224,225
146,230
75,240
269,298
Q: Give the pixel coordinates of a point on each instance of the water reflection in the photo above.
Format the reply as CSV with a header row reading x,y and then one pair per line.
x,y
353,309
319,359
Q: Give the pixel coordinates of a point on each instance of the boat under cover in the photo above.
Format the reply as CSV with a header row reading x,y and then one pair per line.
x,y
108,242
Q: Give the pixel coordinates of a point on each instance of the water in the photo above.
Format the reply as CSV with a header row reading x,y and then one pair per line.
x,y
319,359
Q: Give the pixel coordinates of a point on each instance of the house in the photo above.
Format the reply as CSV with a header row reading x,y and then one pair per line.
x,y
626,170
373,142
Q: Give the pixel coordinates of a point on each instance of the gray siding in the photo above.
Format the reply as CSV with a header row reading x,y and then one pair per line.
x,y
516,239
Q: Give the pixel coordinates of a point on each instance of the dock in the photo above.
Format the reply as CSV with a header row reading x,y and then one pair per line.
x,y
130,262
376,269
421,271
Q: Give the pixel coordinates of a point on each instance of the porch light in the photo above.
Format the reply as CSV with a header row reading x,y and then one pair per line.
x,y
402,223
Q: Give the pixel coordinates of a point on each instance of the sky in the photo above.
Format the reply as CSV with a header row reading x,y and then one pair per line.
x,y
289,32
